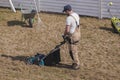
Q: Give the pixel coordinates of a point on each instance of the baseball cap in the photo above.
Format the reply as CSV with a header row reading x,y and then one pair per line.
x,y
67,7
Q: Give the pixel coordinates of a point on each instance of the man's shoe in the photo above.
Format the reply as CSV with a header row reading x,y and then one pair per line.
x,y
75,66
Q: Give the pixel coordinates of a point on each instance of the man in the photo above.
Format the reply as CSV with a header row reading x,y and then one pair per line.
x,y
72,32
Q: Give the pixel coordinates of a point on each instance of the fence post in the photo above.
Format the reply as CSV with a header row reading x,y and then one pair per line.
x,y
38,5
12,6
100,9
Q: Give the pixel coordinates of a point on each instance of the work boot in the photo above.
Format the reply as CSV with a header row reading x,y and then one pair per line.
x,y
75,66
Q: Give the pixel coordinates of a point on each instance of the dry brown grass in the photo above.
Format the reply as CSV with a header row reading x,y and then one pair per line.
x,y
99,49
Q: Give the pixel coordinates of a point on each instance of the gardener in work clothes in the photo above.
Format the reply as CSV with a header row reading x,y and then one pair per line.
x,y
72,32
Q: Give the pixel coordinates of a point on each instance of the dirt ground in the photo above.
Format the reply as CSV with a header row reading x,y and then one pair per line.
x,y
99,48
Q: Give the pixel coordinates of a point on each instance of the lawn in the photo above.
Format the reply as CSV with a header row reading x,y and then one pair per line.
x,y
99,48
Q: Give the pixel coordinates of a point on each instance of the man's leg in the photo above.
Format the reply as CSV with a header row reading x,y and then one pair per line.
x,y
74,55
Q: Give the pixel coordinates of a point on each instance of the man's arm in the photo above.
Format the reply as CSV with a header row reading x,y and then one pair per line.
x,y
67,30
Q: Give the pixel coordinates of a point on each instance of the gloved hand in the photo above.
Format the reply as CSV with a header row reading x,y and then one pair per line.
x,y
66,37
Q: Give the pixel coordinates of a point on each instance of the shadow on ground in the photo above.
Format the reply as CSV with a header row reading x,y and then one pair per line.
x,y
24,59
62,65
14,58
17,23
108,29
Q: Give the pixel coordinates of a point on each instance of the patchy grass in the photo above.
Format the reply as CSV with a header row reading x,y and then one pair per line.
x,y
99,49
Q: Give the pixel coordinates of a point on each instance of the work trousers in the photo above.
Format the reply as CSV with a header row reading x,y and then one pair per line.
x,y
73,46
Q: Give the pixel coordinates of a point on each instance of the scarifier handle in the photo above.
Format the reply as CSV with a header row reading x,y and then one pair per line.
x,y
63,42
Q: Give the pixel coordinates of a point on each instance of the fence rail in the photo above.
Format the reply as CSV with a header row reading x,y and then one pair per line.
x,y
96,8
